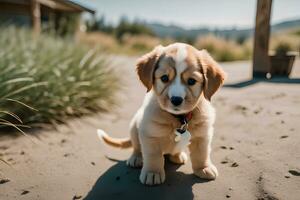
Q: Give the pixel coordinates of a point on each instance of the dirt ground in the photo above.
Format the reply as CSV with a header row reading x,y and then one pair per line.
x,y
256,148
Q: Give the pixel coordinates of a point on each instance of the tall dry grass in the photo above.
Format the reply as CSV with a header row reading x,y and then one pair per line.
x,y
220,48
128,44
223,50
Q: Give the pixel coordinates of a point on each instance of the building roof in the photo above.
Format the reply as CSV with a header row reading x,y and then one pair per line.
x,y
63,5
77,6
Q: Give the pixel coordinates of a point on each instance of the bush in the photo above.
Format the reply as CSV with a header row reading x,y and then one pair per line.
x,y
132,28
296,32
282,48
285,42
99,24
140,43
56,77
223,50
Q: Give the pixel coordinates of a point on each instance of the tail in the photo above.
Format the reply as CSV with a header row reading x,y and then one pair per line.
x,y
115,142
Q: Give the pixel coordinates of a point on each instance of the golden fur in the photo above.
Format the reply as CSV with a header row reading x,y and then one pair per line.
x,y
152,127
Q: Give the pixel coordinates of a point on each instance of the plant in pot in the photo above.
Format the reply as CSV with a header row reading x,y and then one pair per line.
x,y
282,61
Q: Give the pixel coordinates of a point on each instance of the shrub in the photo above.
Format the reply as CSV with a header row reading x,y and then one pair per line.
x,y
132,28
57,77
100,39
282,48
296,32
140,43
285,42
221,49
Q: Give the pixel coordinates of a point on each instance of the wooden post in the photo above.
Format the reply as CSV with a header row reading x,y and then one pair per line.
x,y
261,61
36,17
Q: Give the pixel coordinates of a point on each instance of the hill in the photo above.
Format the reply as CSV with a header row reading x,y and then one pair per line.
x,y
175,31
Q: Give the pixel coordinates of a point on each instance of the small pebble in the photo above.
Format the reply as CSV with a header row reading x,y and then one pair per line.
x,y
118,178
63,141
25,192
231,148
223,147
4,147
22,152
5,180
284,136
256,111
234,164
224,162
287,176
77,197
93,163
278,113
227,196
294,172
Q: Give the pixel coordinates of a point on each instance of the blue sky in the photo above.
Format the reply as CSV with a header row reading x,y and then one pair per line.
x,y
192,13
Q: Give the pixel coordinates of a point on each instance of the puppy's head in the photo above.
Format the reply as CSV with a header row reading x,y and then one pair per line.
x,y
179,74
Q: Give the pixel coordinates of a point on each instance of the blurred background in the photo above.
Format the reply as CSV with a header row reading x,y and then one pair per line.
x,y
226,29
42,40
67,67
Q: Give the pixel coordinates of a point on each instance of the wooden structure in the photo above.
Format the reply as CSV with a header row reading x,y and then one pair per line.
x,y
261,60
36,12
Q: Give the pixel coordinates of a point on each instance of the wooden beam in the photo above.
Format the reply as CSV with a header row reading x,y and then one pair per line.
x,y
66,6
36,17
261,61
56,5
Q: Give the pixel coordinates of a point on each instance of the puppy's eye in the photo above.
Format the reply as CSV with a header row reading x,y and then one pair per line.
x,y
164,78
191,81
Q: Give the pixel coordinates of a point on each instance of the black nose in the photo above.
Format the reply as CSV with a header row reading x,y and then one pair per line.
x,y
176,101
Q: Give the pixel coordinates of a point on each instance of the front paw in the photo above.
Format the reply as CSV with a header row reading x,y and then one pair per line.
x,y
209,172
152,178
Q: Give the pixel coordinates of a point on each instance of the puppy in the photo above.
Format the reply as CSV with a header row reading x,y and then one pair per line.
x,y
176,112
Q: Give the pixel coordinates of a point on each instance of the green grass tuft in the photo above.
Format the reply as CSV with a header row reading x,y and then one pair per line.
x,y
49,79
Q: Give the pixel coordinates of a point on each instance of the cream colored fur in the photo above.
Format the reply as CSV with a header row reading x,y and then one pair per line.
x,y
152,128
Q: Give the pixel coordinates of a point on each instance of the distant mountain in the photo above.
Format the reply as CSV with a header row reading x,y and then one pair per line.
x,y
179,32
282,26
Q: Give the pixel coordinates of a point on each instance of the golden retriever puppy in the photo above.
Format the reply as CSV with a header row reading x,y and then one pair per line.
x,y
176,112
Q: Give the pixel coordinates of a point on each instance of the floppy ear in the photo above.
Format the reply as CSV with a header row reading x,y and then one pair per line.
x,y
146,65
213,73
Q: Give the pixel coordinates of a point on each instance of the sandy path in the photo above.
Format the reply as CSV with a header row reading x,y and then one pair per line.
x,y
256,149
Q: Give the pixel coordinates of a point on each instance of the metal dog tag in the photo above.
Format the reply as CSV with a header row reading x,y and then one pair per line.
x,y
182,140
185,136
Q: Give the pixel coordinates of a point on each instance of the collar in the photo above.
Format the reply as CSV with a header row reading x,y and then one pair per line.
x,y
184,119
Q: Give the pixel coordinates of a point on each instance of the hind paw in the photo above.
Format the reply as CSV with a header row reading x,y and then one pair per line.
x,y
179,158
135,160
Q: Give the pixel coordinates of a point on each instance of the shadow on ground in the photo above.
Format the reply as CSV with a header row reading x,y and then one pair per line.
x,y
258,80
121,182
